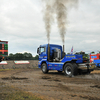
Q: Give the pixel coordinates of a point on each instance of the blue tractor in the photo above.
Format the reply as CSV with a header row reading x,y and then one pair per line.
x,y
53,57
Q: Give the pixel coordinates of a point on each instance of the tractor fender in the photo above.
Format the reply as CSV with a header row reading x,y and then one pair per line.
x,y
71,61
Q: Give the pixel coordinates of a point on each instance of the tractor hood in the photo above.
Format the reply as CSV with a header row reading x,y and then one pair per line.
x,y
73,57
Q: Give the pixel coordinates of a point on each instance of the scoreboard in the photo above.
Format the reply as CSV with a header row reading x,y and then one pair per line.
x,y
4,48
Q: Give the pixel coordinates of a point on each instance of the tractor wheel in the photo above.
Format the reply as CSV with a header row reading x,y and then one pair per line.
x,y
70,69
44,68
75,69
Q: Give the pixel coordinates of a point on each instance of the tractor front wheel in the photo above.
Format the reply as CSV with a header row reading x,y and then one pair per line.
x,y
44,68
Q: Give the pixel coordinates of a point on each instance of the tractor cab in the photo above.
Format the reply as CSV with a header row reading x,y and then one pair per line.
x,y
51,52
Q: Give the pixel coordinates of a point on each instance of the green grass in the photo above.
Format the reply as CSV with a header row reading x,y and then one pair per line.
x,y
5,69
11,93
19,95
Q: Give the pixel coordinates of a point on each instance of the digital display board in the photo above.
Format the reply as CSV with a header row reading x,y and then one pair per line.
x,y
4,48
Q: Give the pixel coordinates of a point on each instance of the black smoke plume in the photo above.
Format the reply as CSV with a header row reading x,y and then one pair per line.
x,y
60,8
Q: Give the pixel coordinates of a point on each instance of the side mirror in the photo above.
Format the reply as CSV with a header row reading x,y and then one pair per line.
x,y
38,50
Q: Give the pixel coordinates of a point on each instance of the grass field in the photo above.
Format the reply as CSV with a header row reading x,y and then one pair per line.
x,y
11,93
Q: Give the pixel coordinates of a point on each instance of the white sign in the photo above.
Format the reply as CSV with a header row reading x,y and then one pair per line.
x,y
3,63
21,62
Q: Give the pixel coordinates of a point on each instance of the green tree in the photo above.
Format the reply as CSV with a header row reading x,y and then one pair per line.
x,y
27,56
92,52
20,56
11,56
36,57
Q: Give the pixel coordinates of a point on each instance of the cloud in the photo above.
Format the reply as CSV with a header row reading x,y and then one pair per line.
x,y
21,24
90,41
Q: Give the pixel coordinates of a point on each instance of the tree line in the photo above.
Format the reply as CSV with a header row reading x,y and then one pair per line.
x,y
28,56
21,56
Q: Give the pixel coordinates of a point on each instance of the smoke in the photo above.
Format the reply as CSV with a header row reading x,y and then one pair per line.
x,y
60,8
61,12
48,17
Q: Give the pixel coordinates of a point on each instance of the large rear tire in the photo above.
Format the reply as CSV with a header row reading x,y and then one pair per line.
x,y
70,69
44,68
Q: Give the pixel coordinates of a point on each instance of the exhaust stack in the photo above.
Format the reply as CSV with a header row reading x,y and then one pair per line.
x,y
48,52
63,52
63,48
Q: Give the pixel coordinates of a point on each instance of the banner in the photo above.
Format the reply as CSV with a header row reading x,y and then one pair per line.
x,y
21,62
3,63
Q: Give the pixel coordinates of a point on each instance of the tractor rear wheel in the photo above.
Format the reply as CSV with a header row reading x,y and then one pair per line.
x,y
70,69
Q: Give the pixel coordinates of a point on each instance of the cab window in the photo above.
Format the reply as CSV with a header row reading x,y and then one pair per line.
x,y
42,49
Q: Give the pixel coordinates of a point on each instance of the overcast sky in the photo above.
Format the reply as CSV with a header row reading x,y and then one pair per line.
x,y
21,24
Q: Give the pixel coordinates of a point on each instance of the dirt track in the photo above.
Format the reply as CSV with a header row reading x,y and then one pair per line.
x,y
54,85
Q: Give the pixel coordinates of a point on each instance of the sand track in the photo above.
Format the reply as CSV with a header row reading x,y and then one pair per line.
x,y
54,85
